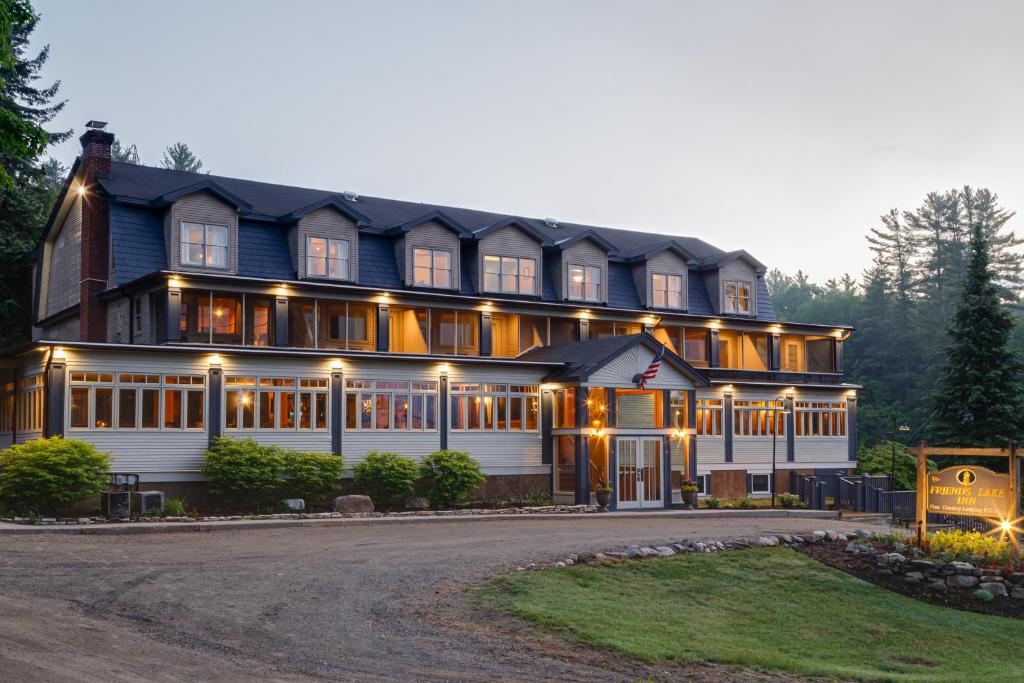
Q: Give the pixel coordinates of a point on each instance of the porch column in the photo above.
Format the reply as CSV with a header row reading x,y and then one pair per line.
x,y
691,440
383,328
714,358
613,472
774,352
584,330
56,389
216,403
666,448
172,316
337,405
610,408
790,431
851,427
280,321
486,334
727,426
442,413
582,448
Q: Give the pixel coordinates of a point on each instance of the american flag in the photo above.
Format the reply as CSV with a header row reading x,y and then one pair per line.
x,y
652,370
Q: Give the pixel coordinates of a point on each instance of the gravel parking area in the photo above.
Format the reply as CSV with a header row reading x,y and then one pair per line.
x,y
352,603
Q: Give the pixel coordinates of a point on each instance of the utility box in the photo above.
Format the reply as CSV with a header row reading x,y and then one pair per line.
x,y
148,502
116,504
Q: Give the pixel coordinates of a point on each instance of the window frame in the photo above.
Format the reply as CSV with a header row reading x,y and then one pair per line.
x,y
752,476
206,244
327,259
432,268
703,482
758,418
666,291
501,274
732,302
161,383
477,393
279,386
810,418
710,413
360,388
587,281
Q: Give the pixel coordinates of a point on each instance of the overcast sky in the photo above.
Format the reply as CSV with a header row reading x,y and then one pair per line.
x,y
783,128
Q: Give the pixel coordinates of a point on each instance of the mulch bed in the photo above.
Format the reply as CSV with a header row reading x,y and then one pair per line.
x,y
835,555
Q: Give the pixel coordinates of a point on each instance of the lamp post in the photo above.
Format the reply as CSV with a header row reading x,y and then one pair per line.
x,y
892,469
776,411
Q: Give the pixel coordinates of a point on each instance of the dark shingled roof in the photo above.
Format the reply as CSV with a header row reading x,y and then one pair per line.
x,y
141,192
584,358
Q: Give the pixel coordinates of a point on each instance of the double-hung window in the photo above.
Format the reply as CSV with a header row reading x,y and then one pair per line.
x,y
510,275
667,290
737,297
494,407
584,283
383,404
276,403
820,418
432,267
328,258
137,401
204,245
709,416
758,418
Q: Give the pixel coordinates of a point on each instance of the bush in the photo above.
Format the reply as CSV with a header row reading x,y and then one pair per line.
x,y
386,477
788,500
745,503
174,507
877,459
967,545
47,476
243,471
450,477
983,595
712,502
309,475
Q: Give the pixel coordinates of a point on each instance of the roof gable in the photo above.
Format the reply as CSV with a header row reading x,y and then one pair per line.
x,y
339,204
601,242
436,216
516,222
208,185
670,245
739,254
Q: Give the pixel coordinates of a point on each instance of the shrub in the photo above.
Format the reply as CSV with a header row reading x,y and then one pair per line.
x,y
243,471
386,477
788,500
532,500
450,477
983,595
967,545
309,475
47,476
174,507
712,502
745,502
877,459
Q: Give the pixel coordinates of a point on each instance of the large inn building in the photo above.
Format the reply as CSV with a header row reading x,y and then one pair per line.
x,y
173,307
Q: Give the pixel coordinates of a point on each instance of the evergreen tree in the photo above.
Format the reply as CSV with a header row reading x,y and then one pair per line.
x,y
978,400
125,155
179,157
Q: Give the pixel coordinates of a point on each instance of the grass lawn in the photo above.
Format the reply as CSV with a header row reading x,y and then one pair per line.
x,y
771,609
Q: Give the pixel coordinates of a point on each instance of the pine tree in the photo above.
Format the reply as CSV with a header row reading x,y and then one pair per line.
x,y
977,400
125,155
179,157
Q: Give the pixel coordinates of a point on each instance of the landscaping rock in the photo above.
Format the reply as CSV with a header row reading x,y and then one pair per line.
x,y
766,541
632,552
843,537
864,533
296,504
417,503
787,538
964,568
938,586
648,551
996,588
665,551
830,535
852,547
963,581
913,577
353,504
1017,592
1016,578
922,565
818,536
988,578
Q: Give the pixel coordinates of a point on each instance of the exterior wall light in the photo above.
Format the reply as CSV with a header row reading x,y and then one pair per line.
x,y
335,364
58,353
174,283
215,361
444,368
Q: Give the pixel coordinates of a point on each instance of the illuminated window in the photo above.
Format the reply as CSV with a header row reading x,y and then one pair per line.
x,y
820,419
204,245
276,403
432,267
510,275
327,258
584,283
131,401
400,405
495,407
667,291
737,297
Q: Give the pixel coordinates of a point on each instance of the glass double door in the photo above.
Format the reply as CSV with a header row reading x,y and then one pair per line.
x,y
640,474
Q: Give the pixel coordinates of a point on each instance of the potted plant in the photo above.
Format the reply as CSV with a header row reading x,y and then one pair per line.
x,y
603,493
689,490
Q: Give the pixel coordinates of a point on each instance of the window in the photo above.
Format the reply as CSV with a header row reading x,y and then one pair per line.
x,y
695,347
820,354
792,353
743,350
381,404
564,407
510,275
210,317
137,315
301,323
758,418
259,321
584,283
737,297
346,325
679,409
7,407
600,329
409,329
132,401
755,351
709,416
667,290
820,418
455,332
327,258
276,403
565,475
204,245
28,408
703,482
495,407
432,267
760,483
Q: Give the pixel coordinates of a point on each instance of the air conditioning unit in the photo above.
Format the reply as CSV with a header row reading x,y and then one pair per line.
x,y
148,502
116,504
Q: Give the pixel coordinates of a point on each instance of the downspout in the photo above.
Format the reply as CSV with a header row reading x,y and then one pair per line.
x,y
14,407
46,390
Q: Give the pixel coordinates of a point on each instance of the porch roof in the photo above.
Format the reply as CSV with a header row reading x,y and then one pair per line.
x,y
584,358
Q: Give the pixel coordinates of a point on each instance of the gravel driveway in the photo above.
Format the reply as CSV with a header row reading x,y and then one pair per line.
x,y
361,602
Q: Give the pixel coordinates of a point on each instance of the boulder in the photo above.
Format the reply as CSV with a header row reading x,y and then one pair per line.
x,y
913,577
818,536
922,565
353,504
296,504
1017,592
996,588
632,552
963,581
766,541
417,503
864,533
665,551
938,586
1016,578
831,535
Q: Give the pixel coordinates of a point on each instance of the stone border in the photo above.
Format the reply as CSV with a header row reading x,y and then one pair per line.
x,y
635,552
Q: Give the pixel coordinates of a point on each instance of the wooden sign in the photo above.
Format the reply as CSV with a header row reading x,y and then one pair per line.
x,y
968,490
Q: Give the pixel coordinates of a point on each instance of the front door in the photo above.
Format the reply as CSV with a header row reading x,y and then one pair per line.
x,y
640,472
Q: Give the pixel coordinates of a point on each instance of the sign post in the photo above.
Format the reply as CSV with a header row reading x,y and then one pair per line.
x,y
921,514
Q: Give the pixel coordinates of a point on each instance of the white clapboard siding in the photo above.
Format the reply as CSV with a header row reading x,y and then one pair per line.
x,y
620,372
823,450
634,410
710,450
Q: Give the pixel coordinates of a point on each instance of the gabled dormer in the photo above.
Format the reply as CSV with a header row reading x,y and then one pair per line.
x,y
661,274
428,251
509,258
201,228
732,283
583,268
323,239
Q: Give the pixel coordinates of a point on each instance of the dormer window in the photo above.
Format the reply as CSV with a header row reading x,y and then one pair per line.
x,y
432,267
667,290
327,258
584,283
204,245
510,275
737,297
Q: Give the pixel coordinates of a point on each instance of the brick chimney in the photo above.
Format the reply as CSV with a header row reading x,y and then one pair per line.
x,y
95,159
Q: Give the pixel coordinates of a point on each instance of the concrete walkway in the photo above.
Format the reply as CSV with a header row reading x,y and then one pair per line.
x,y
115,528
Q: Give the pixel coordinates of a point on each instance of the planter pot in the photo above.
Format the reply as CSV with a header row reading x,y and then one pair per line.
x,y
603,498
689,499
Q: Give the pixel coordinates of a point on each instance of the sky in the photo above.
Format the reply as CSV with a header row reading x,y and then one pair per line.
x,y
782,128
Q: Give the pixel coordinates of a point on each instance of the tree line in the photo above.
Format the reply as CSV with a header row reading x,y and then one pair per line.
x,y
937,316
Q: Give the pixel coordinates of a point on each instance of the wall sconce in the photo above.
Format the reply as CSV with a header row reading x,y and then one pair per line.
x,y
214,361
81,190
727,389
585,314
790,391
174,282
444,368
58,353
335,364
715,324
588,431
281,290
548,387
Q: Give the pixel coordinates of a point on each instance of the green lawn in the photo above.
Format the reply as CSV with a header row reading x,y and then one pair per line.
x,y
771,609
